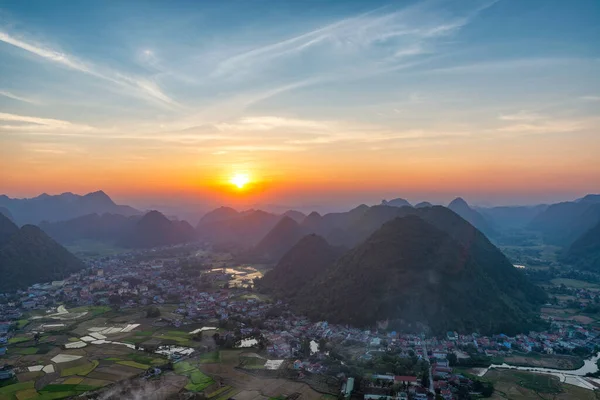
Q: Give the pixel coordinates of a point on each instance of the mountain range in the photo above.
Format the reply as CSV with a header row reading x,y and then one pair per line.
x,y
140,231
562,223
62,207
409,272
28,256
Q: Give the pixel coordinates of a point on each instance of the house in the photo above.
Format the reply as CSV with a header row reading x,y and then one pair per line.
x,y
6,372
348,387
405,379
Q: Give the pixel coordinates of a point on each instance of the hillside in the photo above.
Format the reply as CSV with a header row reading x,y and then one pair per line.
x,y
278,240
62,207
243,230
29,256
462,208
584,253
562,223
218,214
105,227
154,229
410,272
295,215
303,263
6,212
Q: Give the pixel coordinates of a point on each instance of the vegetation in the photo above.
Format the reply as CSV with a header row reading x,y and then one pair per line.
x,y
302,264
154,229
81,370
584,253
409,269
28,256
198,380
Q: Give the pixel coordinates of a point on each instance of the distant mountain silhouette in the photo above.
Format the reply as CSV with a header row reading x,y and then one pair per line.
x,y
410,272
562,223
6,212
242,230
512,217
28,256
278,240
312,222
295,215
300,266
423,204
399,202
590,198
584,253
106,227
62,207
219,214
460,206
154,229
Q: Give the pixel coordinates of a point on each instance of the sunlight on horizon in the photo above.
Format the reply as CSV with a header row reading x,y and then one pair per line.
x,y
240,180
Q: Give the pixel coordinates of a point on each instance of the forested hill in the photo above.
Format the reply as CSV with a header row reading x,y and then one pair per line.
x,y
410,272
28,256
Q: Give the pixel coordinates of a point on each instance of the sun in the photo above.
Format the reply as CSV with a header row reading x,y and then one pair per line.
x,y
240,180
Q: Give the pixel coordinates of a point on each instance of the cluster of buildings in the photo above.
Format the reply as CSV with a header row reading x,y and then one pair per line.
x,y
204,297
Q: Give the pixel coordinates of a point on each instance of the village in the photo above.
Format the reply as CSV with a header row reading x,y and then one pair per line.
x,y
211,293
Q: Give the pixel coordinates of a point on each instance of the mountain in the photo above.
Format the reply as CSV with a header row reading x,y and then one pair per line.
x,y
29,256
410,272
312,222
334,224
399,202
279,240
512,217
295,215
62,207
589,198
105,227
7,229
584,253
154,229
423,204
460,206
243,230
562,223
219,214
299,266
6,212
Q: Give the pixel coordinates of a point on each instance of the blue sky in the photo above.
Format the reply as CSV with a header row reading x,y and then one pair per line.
x,y
287,90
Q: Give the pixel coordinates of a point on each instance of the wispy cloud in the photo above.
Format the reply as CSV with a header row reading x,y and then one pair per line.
x,y
381,38
28,124
521,116
13,96
590,98
139,86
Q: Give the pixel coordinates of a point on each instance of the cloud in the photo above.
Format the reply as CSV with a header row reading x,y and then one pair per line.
x,y
272,122
521,116
141,87
590,98
378,40
13,96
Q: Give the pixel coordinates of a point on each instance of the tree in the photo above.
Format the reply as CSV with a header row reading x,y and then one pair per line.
x,y
452,359
152,312
425,379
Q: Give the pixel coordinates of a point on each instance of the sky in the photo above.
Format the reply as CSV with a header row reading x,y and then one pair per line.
x,y
316,103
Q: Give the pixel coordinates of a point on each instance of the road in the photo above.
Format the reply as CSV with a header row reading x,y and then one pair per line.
x,y
431,389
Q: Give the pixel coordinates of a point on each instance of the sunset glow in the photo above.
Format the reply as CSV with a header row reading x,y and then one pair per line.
x,y
359,101
240,180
